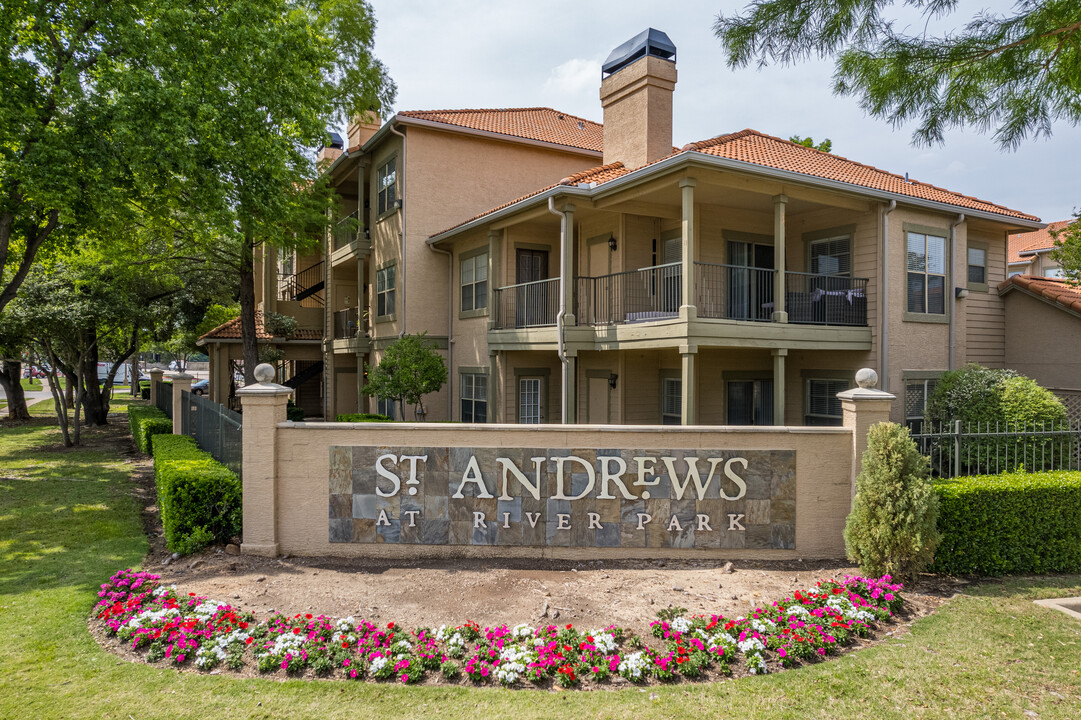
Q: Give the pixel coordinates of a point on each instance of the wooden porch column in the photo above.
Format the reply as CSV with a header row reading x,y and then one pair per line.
x,y
779,354
688,386
687,310
494,414
780,314
495,268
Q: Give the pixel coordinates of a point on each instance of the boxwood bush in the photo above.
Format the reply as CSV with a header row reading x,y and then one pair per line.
x,y
362,417
146,421
1013,523
198,497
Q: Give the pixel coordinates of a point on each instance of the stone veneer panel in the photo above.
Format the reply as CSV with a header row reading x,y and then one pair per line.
x,y
747,502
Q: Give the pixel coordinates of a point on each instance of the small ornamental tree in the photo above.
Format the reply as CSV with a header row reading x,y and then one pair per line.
x,y
892,527
409,370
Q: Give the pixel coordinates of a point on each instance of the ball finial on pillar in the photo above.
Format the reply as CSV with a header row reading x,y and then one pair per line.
x,y
265,372
866,378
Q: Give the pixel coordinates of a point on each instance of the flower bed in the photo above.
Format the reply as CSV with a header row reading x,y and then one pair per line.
x,y
188,630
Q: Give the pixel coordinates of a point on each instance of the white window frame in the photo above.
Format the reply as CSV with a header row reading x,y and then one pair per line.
x,y
473,271
386,184
472,389
537,416
386,291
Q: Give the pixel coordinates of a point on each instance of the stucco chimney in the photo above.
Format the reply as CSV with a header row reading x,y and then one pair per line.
x,y
363,127
637,81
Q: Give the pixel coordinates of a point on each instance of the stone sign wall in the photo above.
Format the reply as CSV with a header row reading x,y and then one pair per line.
x,y
558,497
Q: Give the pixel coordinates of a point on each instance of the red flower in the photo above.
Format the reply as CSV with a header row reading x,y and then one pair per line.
x,y
308,616
568,626
248,641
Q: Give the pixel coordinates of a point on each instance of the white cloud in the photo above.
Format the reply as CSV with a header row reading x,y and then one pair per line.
x,y
574,76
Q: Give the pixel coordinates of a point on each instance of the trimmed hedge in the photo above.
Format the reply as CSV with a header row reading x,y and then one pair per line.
x,y
362,417
1012,523
146,421
198,497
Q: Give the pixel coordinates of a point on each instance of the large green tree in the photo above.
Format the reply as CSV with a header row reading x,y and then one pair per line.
x,y
202,115
1013,74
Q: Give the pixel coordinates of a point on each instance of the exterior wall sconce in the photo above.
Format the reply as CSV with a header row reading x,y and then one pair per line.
x,y
612,247
612,380
960,293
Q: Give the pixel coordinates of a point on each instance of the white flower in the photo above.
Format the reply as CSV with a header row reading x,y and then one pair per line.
x,y
680,625
378,664
604,641
512,663
632,666
522,630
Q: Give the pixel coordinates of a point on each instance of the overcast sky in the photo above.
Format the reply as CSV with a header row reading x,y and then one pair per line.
x,y
487,54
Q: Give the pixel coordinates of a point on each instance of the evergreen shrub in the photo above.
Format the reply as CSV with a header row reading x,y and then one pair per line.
x,y
1012,523
146,421
362,417
891,529
199,498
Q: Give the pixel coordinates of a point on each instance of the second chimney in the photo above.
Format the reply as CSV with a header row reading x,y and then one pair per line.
x,y
636,93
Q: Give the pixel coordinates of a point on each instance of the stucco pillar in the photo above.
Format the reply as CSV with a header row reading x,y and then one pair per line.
x,y
181,383
861,408
688,387
780,313
779,355
687,310
263,404
156,376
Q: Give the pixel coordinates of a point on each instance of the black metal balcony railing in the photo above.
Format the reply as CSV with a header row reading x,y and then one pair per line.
x,y
730,292
346,323
825,299
305,287
347,230
643,295
531,304
734,292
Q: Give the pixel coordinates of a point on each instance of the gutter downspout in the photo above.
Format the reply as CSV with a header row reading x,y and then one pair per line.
x,y
953,292
400,290
884,334
450,328
561,349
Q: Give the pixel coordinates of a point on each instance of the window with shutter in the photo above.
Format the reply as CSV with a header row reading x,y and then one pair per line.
x,y
823,405
671,401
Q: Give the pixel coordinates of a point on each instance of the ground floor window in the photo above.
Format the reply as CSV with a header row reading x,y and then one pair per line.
x,y
671,401
823,406
529,400
474,397
750,402
917,392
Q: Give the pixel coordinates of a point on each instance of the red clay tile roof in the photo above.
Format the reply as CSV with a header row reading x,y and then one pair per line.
x,y
1032,241
1058,291
231,331
755,148
539,123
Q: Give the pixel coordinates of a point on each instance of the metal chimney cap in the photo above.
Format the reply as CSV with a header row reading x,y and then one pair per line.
x,y
336,141
648,42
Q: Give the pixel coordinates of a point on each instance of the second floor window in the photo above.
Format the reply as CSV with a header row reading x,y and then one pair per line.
x,y
475,282
926,264
387,185
384,291
977,266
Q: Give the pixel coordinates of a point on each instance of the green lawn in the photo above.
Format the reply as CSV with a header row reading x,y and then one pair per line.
x,y
67,523
29,384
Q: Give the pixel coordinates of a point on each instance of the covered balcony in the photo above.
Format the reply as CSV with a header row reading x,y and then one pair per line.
x,y
650,294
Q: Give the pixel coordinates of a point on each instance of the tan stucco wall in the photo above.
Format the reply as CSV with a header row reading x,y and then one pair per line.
x,y
1043,341
823,478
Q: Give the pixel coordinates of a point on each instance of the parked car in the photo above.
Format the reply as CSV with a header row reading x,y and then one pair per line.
x,y
201,387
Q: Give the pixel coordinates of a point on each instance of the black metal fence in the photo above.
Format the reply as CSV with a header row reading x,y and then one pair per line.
x,y
165,397
216,429
531,304
825,299
957,449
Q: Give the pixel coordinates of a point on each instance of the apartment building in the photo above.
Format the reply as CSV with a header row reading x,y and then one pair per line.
x,y
738,280
1030,252
574,272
